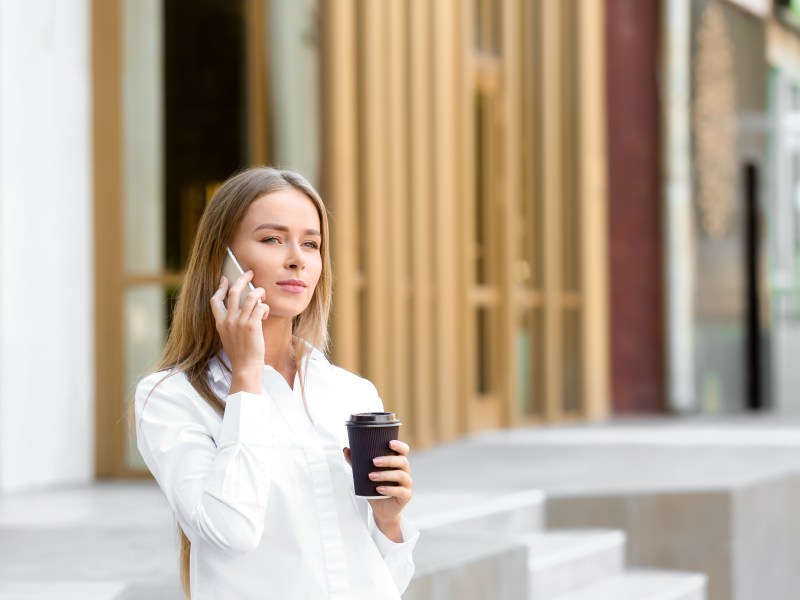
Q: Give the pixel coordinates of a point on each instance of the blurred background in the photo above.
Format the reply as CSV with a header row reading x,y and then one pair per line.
x,y
545,213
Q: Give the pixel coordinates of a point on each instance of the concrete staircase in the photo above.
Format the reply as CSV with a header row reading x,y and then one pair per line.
x,y
494,546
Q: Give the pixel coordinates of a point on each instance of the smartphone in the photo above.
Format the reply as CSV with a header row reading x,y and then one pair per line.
x,y
232,270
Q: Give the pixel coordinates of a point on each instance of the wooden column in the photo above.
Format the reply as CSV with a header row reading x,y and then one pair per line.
x,y
340,173
594,211
510,221
424,394
448,184
373,54
397,194
552,185
110,431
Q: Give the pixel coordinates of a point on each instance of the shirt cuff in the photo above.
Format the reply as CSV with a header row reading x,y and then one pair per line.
x,y
246,420
395,550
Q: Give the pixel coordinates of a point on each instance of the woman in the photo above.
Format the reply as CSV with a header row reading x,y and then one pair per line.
x,y
242,425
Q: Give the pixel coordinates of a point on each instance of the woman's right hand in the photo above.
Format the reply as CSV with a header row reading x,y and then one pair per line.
x,y
241,332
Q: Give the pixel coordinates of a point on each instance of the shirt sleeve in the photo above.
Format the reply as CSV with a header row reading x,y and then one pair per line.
x,y
397,555
218,490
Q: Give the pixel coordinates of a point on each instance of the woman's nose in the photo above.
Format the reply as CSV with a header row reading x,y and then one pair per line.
x,y
295,258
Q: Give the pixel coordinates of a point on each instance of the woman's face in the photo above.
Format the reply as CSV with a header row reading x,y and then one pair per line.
x,y
279,239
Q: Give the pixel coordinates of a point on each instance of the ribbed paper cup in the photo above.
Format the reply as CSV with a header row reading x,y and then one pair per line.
x,y
369,435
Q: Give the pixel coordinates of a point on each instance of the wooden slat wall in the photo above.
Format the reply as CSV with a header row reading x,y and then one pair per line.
x,y
400,84
393,124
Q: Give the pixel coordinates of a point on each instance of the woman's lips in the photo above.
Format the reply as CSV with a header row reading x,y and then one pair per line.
x,y
292,288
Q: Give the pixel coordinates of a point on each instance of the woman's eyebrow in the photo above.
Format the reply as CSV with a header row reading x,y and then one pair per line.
x,y
284,228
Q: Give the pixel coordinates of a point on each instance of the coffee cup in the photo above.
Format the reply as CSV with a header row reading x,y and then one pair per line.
x,y
369,435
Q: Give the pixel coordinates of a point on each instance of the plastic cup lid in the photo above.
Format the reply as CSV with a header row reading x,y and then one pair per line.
x,y
373,419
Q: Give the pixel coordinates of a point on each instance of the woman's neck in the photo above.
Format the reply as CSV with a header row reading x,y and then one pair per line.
x,y
277,345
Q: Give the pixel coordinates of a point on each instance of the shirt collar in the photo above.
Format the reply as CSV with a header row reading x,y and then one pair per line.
x,y
219,366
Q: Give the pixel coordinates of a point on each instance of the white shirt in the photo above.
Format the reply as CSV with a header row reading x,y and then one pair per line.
x,y
265,495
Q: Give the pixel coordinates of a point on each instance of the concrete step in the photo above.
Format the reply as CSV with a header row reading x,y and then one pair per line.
x,y
565,561
468,566
645,585
497,512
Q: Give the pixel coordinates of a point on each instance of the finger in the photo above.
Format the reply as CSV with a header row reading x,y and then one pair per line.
x,y
262,310
252,299
235,292
218,299
395,461
400,477
400,447
346,452
401,493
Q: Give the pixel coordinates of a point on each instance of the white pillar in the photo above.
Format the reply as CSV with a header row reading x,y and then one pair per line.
x,y
678,239
46,271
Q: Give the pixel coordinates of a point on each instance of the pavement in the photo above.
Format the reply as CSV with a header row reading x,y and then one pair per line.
x,y
118,540
106,541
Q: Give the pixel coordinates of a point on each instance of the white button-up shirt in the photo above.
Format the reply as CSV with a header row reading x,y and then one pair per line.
x,y
264,494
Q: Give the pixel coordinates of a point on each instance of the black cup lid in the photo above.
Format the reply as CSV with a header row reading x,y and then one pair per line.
x,y
373,419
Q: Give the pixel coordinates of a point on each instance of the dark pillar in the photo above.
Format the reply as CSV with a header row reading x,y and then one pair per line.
x,y
637,340
754,375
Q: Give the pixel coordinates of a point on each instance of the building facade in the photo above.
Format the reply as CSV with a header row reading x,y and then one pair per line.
x,y
460,147
541,212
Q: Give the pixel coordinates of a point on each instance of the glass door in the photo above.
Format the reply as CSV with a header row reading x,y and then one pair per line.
x,y
184,103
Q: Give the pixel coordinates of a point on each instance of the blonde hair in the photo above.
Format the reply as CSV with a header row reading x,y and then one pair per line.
x,y
193,339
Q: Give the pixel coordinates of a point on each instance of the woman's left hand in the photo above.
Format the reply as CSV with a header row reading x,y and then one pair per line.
x,y
387,510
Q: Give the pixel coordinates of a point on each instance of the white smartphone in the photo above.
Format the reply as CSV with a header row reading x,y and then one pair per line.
x,y
232,270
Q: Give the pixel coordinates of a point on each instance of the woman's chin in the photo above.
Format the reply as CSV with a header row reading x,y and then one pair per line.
x,y
284,312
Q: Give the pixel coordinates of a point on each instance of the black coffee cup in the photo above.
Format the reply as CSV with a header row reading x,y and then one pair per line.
x,y
369,435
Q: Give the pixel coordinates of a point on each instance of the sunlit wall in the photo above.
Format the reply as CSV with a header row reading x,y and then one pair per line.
x,y
46,280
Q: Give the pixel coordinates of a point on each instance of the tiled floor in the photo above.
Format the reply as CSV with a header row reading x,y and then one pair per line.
x,y
109,541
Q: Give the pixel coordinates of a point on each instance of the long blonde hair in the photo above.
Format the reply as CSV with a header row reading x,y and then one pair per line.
x,y
193,339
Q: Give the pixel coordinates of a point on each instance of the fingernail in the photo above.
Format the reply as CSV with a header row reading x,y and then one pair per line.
x,y
393,444
377,461
380,489
373,475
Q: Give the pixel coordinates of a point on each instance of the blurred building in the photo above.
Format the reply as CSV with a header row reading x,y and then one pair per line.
x,y
459,146
703,204
689,182
541,211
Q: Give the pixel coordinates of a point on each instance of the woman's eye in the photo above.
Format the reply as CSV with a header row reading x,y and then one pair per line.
x,y
314,245
271,240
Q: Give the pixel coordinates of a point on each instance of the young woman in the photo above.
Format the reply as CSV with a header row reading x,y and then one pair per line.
x,y
242,425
